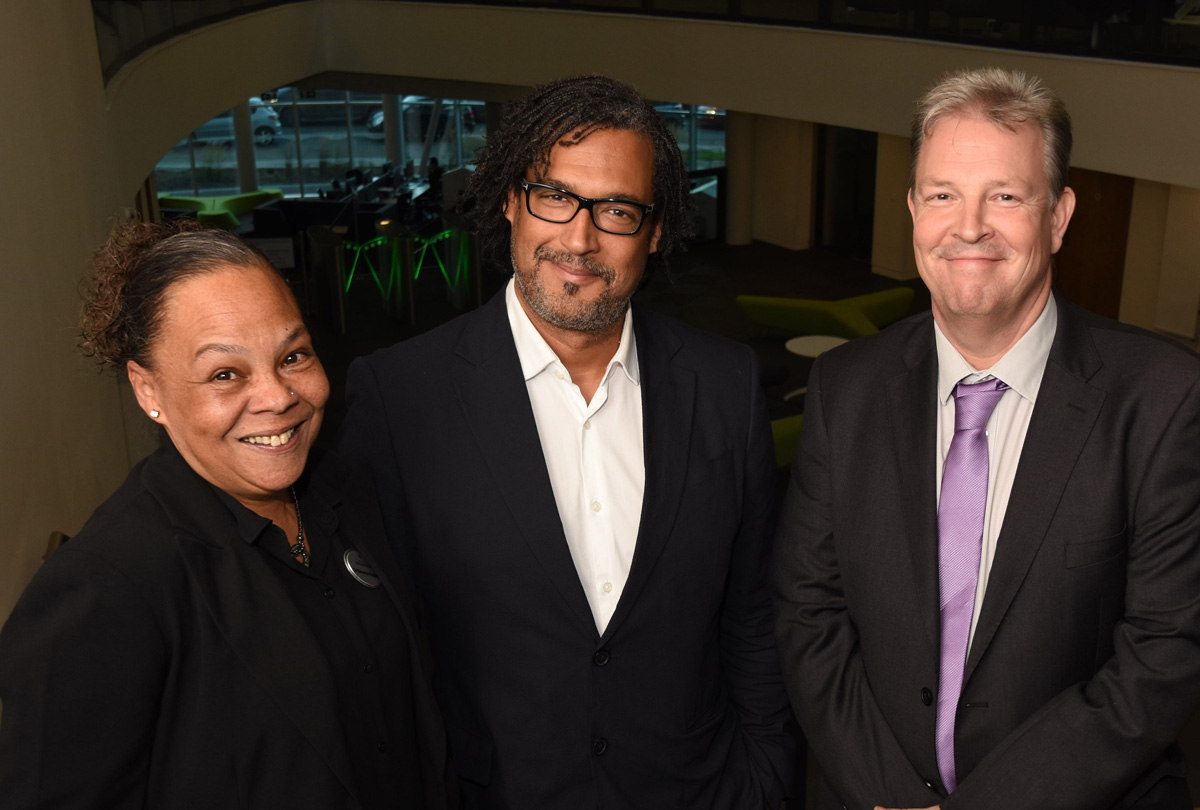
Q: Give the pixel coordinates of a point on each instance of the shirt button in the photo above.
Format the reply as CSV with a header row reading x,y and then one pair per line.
x,y
368,669
599,746
381,747
606,587
600,658
926,696
587,425
929,784
328,592
558,373
595,506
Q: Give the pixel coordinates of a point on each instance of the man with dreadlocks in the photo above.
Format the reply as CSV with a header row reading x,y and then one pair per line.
x,y
582,491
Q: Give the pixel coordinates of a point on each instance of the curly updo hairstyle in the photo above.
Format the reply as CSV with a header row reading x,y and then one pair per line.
x,y
565,112
129,278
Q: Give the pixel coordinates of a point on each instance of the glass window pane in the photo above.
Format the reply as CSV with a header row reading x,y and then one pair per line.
x,y
324,150
456,130
274,149
800,10
693,6
677,118
216,168
710,137
173,174
474,131
367,131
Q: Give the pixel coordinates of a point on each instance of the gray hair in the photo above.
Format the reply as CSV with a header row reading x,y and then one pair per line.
x,y
1007,98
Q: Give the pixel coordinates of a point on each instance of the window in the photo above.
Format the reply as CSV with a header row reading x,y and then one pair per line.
x,y
304,140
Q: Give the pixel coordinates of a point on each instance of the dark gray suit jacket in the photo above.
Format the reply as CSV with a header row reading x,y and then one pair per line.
x,y
156,661
680,704
1086,658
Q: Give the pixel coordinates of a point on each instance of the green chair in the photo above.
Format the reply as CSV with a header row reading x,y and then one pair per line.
x,y
221,211
848,318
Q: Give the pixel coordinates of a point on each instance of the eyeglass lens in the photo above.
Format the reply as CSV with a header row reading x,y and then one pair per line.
x,y
554,205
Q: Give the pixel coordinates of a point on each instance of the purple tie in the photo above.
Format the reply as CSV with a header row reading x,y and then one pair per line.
x,y
960,541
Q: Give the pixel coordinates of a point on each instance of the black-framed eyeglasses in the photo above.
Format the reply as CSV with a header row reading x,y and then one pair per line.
x,y
621,217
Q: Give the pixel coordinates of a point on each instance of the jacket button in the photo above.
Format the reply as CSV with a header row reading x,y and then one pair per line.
x,y
599,746
600,658
926,696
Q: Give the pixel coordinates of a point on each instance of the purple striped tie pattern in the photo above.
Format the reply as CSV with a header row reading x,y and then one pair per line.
x,y
960,541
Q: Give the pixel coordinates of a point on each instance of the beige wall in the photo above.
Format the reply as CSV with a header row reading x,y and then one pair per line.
x,y
891,243
1179,278
1161,287
73,153
1144,253
783,181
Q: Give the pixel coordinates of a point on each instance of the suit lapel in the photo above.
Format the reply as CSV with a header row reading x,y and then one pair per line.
x,y
491,391
912,404
250,608
668,393
1063,418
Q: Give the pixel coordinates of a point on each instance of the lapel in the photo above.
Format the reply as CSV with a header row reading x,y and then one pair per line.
x,y
1063,418
668,394
250,607
491,391
912,405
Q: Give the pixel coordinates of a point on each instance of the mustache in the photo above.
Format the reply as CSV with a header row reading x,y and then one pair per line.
x,y
585,263
958,250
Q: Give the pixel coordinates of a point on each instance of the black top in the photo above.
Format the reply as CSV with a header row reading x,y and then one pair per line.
x,y
362,639
167,657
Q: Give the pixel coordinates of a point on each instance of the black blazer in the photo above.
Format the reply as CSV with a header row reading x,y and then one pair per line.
x,y
155,661
1086,658
680,703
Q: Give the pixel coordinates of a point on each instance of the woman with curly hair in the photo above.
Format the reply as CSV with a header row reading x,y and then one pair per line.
x,y
228,629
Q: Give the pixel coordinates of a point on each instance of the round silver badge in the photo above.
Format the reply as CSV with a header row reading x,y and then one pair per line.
x,y
360,569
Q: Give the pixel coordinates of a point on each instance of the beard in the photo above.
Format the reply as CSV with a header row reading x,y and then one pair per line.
x,y
563,308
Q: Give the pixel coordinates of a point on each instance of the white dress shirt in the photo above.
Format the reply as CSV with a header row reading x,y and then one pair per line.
x,y
594,455
1021,368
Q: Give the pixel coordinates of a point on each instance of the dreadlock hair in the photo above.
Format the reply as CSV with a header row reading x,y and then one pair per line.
x,y
563,113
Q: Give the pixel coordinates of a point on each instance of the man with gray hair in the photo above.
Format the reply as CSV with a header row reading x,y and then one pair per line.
x,y
987,566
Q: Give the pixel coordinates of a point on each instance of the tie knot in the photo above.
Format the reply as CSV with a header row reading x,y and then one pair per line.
x,y
974,403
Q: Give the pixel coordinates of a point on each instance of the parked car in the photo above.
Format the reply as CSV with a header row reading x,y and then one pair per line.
x,y
418,110
710,117
264,123
324,106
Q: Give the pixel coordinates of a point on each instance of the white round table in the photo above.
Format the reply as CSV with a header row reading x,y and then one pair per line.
x,y
813,345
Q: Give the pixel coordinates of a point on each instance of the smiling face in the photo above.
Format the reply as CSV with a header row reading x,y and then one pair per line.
x,y
984,226
573,276
235,381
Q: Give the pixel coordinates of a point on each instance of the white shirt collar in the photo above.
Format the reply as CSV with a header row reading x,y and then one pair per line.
x,y
1020,368
535,353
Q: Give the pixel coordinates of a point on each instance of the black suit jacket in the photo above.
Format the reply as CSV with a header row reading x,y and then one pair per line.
x,y
156,661
1086,658
680,703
